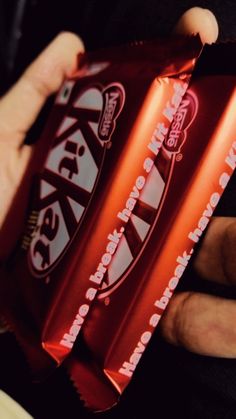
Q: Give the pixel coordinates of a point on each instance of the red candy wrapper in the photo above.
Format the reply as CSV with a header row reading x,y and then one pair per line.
x,y
172,210
108,125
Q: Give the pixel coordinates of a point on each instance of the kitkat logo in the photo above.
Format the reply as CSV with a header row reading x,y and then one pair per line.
x,y
71,171
113,102
149,200
183,118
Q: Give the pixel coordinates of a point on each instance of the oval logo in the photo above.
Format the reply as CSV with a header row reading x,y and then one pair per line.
x,y
183,118
113,102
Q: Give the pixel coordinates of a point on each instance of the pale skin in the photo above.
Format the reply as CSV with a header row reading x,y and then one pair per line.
x,y
199,322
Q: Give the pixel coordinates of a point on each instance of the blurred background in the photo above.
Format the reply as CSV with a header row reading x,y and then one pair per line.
x,y
26,26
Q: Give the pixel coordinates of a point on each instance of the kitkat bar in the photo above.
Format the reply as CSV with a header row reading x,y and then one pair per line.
x,y
106,119
181,192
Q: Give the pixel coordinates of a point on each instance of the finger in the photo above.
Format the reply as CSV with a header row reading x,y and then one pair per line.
x,y
216,257
228,249
20,107
201,323
198,20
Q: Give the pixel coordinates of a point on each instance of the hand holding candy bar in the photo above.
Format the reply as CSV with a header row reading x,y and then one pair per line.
x,y
182,323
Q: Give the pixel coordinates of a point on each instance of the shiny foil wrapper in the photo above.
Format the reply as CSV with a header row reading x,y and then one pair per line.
x,y
89,176
171,213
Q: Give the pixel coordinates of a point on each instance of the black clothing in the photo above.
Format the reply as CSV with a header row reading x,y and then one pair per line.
x,y
169,382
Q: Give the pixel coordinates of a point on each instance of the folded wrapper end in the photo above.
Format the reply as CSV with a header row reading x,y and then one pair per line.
x,y
169,48
94,386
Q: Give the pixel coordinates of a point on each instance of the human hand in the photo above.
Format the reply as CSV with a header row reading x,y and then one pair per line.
x,y
181,323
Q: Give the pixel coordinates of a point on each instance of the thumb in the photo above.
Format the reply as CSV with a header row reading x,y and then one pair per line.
x,y
21,105
201,323
198,20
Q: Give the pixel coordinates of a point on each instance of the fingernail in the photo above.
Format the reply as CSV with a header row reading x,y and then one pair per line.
x,y
199,20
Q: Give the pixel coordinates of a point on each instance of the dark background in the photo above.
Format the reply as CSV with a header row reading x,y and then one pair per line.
x,y
26,26
169,382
